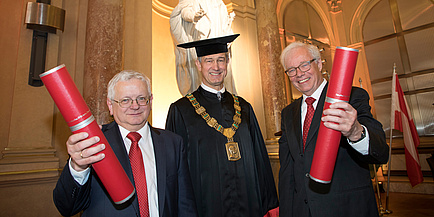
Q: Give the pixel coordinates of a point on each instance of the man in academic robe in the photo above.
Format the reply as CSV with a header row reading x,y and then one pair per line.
x,y
153,159
227,157
193,20
363,142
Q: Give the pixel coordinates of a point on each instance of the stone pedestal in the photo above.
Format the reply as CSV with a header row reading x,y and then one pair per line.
x,y
273,153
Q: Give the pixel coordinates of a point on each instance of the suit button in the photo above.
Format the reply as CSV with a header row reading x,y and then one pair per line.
x,y
307,175
305,201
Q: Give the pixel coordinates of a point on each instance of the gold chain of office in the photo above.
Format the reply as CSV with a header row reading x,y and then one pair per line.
x,y
212,122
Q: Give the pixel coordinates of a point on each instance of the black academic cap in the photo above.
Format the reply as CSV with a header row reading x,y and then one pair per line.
x,y
211,45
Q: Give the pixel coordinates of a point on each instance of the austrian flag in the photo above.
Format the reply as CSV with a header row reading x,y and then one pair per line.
x,y
401,120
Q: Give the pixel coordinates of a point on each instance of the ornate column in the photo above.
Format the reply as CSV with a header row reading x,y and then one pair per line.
x,y
103,53
272,74
337,20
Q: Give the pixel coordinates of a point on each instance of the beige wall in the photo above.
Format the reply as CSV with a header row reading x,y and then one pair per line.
x,y
138,37
9,52
32,133
164,85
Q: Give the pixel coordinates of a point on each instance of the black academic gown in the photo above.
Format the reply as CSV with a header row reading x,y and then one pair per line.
x,y
222,187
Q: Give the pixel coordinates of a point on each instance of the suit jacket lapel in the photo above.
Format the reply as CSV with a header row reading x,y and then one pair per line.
x,y
316,120
296,124
160,161
113,136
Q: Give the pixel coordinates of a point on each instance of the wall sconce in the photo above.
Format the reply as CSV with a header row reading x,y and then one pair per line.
x,y
43,18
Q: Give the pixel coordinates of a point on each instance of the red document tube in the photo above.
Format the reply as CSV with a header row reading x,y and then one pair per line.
x,y
79,118
339,90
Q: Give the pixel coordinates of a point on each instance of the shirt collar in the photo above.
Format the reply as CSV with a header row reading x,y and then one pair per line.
x,y
318,91
209,89
144,131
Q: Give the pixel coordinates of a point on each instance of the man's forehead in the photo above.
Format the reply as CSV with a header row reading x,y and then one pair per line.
x,y
131,85
212,56
298,56
132,81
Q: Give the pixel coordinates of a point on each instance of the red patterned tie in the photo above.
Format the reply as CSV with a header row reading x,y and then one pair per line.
x,y
138,168
308,119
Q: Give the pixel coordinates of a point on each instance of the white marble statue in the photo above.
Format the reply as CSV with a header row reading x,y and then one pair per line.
x,y
193,20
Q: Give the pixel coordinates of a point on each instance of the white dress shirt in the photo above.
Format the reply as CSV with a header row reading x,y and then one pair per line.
x,y
209,89
362,146
148,154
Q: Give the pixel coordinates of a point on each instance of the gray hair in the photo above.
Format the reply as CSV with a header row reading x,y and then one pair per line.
x,y
313,50
126,75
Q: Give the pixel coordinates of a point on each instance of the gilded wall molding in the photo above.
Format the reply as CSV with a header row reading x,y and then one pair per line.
x,y
242,11
282,4
25,182
161,9
165,10
272,146
27,152
356,25
28,163
29,171
358,46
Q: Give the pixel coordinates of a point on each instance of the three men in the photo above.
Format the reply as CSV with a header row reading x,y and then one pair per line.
x,y
363,142
228,161
165,186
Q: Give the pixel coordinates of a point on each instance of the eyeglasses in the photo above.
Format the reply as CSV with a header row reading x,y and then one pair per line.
x,y
127,102
303,67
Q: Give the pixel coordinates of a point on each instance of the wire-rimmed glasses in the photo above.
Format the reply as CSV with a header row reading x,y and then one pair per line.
x,y
127,102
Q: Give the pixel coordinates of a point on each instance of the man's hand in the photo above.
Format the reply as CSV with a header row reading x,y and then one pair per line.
x,y
81,152
342,117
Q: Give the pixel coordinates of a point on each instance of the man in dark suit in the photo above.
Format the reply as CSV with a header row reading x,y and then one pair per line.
x,y
363,142
167,184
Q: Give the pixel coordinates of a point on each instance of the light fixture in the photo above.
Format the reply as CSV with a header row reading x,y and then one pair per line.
x,y
42,18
